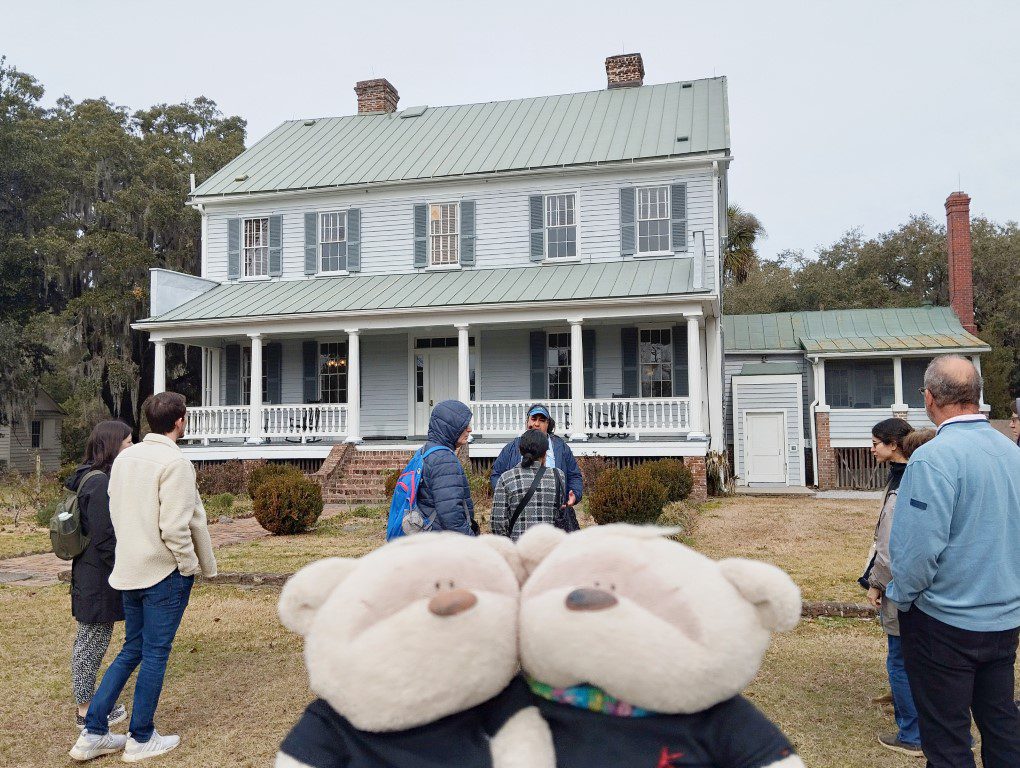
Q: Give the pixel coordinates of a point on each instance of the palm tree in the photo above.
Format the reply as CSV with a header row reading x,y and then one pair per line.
x,y
739,255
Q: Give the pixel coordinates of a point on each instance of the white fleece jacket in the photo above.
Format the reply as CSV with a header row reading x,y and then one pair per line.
x,y
157,515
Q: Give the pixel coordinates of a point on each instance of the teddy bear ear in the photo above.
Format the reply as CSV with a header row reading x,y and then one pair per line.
x,y
307,590
768,588
537,542
506,549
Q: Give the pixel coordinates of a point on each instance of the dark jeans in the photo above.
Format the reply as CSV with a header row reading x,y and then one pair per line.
x,y
903,702
151,619
952,673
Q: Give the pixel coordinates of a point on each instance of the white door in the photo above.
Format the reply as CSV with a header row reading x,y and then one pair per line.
x,y
765,447
439,383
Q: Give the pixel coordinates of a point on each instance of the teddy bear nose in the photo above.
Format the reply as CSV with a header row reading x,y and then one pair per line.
x,y
588,599
451,603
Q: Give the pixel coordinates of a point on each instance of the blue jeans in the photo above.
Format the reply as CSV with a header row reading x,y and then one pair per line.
x,y
151,619
903,701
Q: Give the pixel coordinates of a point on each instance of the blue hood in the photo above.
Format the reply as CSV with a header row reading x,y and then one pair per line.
x,y
449,419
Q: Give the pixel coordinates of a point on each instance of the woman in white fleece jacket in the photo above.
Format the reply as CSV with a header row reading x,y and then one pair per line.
x,y
162,542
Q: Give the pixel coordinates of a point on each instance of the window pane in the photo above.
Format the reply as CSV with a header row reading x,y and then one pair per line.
x,y
859,383
443,236
558,365
561,226
913,380
653,219
256,247
333,372
655,353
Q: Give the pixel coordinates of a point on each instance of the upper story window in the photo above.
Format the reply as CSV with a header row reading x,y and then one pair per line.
x,y
443,234
37,434
656,362
333,372
561,226
256,247
333,241
653,219
859,383
558,365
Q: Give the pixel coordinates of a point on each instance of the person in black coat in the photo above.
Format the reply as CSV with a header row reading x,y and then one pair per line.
x,y
445,495
94,603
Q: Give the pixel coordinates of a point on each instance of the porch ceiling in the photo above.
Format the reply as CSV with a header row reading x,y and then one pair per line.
x,y
471,287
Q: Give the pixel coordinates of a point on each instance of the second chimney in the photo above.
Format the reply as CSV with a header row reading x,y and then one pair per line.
x,y
625,71
961,260
377,95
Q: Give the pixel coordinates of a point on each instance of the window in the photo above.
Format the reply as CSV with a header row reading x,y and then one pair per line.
x,y
913,380
332,242
443,234
558,366
656,360
246,376
859,383
333,372
256,247
37,434
653,219
561,226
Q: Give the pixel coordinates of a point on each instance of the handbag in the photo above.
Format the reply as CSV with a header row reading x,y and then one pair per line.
x,y
564,518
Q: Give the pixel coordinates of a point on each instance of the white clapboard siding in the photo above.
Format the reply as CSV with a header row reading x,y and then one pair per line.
x,y
22,454
732,365
502,231
765,393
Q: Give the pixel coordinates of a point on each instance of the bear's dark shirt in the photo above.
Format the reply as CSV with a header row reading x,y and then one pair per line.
x,y
733,734
323,738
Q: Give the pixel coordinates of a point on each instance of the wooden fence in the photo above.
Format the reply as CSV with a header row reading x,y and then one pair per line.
x,y
857,469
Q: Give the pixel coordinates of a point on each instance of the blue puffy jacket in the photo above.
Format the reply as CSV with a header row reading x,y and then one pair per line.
x,y
510,457
444,493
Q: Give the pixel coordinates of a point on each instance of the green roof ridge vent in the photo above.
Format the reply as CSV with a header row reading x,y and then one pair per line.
x,y
414,111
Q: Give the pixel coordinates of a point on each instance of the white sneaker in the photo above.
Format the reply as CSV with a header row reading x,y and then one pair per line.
x,y
89,745
157,745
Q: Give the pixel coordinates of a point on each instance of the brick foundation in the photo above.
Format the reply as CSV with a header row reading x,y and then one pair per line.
x,y
699,493
826,479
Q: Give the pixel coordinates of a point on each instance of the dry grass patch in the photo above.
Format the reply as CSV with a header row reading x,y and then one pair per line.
x,y
25,538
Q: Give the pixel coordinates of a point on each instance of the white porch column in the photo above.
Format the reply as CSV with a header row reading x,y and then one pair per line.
x,y
255,404
159,367
353,385
463,364
577,409
820,385
713,342
899,407
694,377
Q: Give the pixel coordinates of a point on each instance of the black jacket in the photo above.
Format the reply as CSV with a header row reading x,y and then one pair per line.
x,y
93,600
444,493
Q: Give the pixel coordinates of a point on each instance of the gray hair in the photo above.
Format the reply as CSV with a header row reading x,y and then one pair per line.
x,y
953,380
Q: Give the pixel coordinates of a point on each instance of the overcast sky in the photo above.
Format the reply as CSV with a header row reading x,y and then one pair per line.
x,y
842,114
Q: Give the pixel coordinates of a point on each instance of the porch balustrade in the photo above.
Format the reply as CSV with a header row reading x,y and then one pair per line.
x,y
506,418
603,416
223,422
217,422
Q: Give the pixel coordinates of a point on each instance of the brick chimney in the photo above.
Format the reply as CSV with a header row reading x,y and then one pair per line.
x,y
625,71
961,262
377,95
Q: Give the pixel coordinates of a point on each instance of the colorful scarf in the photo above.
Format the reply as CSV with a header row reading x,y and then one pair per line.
x,y
587,697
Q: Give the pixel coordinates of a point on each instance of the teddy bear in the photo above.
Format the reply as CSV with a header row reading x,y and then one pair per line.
x,y
637,647
412,650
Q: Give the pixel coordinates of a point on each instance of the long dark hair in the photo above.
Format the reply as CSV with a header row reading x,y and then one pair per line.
x,y
892,431
103,444
533,446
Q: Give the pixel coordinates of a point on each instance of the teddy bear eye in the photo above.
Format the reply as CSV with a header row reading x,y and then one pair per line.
x,y
451,584
612,587
438,585
598,584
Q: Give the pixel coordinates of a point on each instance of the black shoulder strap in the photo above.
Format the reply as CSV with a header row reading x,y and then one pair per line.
x,y
88,476
527,497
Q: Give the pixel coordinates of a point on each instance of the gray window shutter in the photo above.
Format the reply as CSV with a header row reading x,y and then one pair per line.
x,y
310,370
233,249
629,354
311,243
275,243
628,210
681,383
588,344
678,216
537,220
539,384
232,358
467,233
421,240
354,240
272,360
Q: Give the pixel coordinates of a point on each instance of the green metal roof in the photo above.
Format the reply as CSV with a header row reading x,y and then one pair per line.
x,y
469,287
770,369
849,330
622,124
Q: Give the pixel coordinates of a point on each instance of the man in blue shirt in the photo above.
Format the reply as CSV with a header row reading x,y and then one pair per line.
x,y
955,551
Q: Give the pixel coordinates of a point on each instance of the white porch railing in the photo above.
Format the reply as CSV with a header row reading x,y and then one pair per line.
x,y
304,421
217,422
603,416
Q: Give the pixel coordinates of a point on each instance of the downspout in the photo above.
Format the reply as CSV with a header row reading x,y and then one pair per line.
x,y
811,411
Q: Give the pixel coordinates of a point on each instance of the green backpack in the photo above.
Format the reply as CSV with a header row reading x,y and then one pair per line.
x,y
66,535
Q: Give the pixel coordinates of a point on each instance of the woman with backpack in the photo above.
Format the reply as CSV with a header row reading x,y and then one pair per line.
x,y
94,603
531,493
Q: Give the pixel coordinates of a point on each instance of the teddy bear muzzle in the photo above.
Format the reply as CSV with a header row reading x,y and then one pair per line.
x,y
453,602
590,599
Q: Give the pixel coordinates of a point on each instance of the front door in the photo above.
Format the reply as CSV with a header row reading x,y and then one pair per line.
x,y
439,382
765,447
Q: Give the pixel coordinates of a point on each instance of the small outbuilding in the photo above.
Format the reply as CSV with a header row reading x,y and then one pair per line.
x,y
22,441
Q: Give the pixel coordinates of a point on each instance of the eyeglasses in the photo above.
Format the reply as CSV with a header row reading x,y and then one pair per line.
x,y
922,390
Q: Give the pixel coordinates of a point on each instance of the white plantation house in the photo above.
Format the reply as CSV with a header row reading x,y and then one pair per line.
x,y
562,249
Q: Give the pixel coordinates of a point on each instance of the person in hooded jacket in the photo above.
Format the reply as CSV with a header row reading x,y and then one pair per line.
x,y
94,603
559,457
444,496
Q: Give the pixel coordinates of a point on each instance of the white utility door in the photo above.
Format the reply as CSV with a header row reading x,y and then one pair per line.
x,y
765,447
440,383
